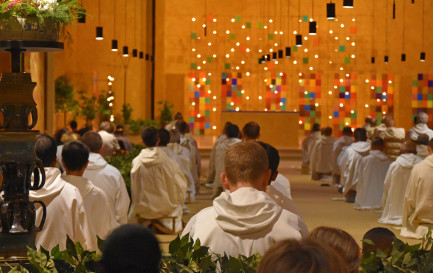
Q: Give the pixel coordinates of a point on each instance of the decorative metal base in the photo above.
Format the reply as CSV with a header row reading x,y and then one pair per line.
x,y
13,247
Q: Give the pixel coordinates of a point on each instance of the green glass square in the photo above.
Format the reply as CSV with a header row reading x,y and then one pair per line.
x,y
341,48
305,18
248,24
305,60
274,87
342,89
353,115
191,119
318,120
270,36
341,126
306,96
207,100
307,119
260,25
196,132
228,106
238,18
193,35
193,66
313,114
294,48
379,89
415,83
206,113
239,94
283,107
233,36
226,66
207,81
209,59
191,87
347,60
430,97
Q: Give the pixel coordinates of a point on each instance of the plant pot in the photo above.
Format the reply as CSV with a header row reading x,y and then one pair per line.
x,y
28,29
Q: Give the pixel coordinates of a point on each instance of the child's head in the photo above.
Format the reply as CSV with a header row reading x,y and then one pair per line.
x,y
75,156
382,238
342,243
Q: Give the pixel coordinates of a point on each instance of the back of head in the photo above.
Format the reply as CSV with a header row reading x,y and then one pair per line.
x,y
273,157
382,238
368,120
251,130
232,131
73,124
75,155
347,131
315,128
245,162
120,129
304,256
373,122
422,118
182,127
423,139
360,134
130,249
164,137
46,149
93,140
150,136
389,121
106,126
226,125
408,147
378,144
59,135
342,242
69,136
327,131
178,116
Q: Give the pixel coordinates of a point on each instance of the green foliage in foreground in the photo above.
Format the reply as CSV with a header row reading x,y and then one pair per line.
x,y
136,126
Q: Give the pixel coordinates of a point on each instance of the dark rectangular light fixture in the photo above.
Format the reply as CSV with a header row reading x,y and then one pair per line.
x,y
134,53
280,53
348,4
330,11
403,57
274,56
373,60
141,55
288,51
125,51
268,57
147,57
422,57
99,33
312,28
114,45
386,59
298,40
82,18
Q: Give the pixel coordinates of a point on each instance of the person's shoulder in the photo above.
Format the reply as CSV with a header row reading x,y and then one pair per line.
x,y
111,170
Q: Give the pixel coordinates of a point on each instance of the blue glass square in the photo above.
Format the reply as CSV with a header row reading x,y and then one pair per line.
x,y
420,96
307,107
224,75
207,125
430,83
336,114
312,95
347,96
283,100
196,94
234,81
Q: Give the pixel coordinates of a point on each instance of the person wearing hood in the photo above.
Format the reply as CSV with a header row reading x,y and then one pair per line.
x,y
337,149
418,200
106,177
191,145
307,147
110,144
158,186
320,163
396,183
233,135
75,157
349,163
211,172
246,220
371,176
66,215
392,136
420,127
422,146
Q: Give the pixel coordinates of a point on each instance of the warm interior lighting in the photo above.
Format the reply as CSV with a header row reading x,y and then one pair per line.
x,y
403,57
99,34
422,57
313,28
298,40
288,51
125,51
330,11
348,4
114,45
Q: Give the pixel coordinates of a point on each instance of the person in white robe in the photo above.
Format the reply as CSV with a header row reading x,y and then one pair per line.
x,y
191,145
307,147
371,177
337,149
66,215
392,136
158,186
371,131
320,162
396,183
232,134
349,163
227,227
368,121
422,146
172,124
418,200
106,177
420,127
110,144
75,157
211,171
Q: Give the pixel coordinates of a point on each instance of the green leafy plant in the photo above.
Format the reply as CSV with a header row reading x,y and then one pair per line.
x,y
104,108
126,112
88,107
135,126
166,111
64,97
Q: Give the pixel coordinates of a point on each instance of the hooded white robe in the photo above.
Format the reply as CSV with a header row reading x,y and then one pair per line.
x,y
320,161
219,160
211,171
395,188
349,161
422,151
158,187
66,214
109,179
109,143
307,147
418,200
343,142
371,177
282,184
244,222
101,220
393,137
419,129
191,145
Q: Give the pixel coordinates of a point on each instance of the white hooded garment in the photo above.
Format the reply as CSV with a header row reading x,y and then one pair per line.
x,y
418,200
395,188
336,150
99,214
219,160
66,215
320,161
282,184
244,222
190,144
371,176
109,179
211,171
350,160
158,187
110,143
307,147
419,129
422,151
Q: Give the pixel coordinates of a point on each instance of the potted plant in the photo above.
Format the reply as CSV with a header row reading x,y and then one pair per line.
x,y
64,97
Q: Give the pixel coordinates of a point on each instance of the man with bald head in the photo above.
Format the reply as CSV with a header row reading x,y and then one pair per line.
x,y
392,136
110,144
420,127
396,183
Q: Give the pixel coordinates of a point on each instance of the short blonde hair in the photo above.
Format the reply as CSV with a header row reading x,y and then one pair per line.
x,y
245,162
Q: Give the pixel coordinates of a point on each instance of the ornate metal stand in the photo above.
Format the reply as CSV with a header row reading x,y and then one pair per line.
x,y
20,169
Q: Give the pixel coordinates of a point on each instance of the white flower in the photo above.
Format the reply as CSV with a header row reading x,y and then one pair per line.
x,y
47,4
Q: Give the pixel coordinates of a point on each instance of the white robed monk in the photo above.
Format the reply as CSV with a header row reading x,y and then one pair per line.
x,y
320,161
307,147
371,177
106,177
66,215
392,136
337,149
420,127
418,200
110,143
396,183
211,171
228,227
349,163
422,146
158,186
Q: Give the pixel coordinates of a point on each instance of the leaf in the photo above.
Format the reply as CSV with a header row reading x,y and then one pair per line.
x,y
62,266
233,265
100,243
174,245
70,248
55,252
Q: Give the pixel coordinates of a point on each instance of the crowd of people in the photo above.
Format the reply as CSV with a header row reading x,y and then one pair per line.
x,y
381,168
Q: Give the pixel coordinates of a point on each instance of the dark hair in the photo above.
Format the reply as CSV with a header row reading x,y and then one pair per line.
x,y
273,156
377,142
59,134
232,131
73,124
150,136
164,137
251,130
382,238
423,139
360,134
327,131
46,150
75,155
225,126
316,127
93,140
131,248
182,126
347,131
